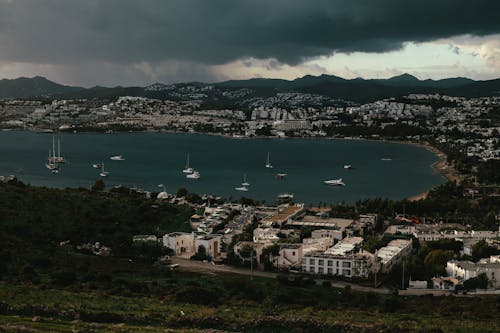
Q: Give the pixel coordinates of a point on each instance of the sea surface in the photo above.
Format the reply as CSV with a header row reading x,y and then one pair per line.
x,y
158,158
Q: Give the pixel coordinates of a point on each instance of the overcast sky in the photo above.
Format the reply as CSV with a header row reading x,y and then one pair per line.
x,y
138,42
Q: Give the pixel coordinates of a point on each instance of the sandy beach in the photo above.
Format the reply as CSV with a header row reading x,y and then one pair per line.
x,y
447,171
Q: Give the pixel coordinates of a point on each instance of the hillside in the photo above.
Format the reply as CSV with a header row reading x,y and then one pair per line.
x,y
356,90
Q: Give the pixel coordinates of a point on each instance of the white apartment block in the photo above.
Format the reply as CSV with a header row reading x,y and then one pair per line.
x,y
392,254
351,265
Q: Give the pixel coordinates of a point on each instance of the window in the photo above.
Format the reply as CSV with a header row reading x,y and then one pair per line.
x,y
311,269
311,261
293,253
337,271
346,272
320,262
330,263
304,268
337,263
320,270
304,261
330,271
346,264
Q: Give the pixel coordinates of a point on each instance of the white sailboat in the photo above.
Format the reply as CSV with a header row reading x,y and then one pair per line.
x,y
59,158
245,183
50,164
193,175
103,173
241,188
268,162
188,169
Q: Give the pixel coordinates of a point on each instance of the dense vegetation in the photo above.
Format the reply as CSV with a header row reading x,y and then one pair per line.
x,y
35,223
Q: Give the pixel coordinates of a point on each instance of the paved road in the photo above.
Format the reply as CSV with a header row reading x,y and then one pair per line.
x,y
210,268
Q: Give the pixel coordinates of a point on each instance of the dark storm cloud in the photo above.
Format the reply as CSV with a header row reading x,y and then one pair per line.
x,y
217,31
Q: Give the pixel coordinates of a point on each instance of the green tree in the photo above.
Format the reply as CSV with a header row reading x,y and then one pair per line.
x,y
182,192
98,186
483,250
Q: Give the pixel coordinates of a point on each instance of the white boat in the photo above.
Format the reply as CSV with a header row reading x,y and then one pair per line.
x,y
103,173
268,162
188,169
348,166
194,175
386,159
96,165
117,158
285,197
51,165
58,158
241,188
335,182
245,183
281,175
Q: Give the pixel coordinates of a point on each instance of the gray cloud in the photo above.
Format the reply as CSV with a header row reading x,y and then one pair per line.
x,y
219,31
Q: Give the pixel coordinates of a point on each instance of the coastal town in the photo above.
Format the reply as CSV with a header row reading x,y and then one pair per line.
x,y
468,124
297,239
291,237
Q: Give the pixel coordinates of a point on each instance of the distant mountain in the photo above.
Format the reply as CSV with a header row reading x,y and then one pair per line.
x,y
357,90
28,87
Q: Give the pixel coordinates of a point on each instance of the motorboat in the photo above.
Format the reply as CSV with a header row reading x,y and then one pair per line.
x,y
348,167
117,158
335,182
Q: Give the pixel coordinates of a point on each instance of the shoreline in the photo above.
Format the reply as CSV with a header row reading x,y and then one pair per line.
x,y
446,171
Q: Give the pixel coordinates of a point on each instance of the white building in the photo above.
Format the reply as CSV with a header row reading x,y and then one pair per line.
x,y
266,235
290,256
182,243
211,243
331,233
392,254
350,265
465,270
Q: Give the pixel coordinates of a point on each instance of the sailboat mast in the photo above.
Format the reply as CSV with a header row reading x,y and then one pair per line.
x,y
58,148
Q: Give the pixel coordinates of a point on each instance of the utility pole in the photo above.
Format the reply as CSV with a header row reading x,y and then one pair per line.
x,y
403,277
251,265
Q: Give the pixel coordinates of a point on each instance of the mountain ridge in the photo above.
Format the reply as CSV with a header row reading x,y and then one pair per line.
x,y
357,89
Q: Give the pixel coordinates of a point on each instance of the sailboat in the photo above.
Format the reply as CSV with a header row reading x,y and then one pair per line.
x,y
103,173
245,183
268,162
50,164
56,158
188,169
193,175
241,188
